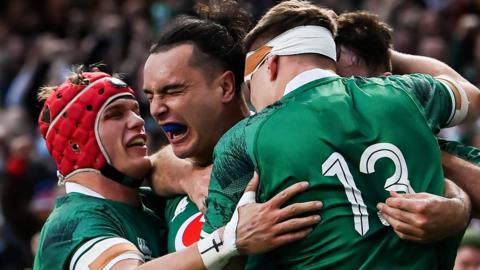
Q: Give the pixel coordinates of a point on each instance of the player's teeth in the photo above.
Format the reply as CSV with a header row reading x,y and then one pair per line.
x,y
138,141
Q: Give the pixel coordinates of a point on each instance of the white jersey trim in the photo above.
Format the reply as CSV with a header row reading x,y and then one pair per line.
x,y
459,100
306,77
94,248
129,255
74,187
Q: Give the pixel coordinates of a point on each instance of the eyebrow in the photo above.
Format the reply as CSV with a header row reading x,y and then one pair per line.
x,y
165,88
121,106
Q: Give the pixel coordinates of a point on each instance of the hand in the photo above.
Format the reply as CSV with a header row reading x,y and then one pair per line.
x,y
266,226
197,188
424,217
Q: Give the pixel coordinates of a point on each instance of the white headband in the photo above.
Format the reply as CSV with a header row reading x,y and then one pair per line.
x,y
299,40
304,39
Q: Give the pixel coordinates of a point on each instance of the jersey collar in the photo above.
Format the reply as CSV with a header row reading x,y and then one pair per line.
x,y
306,77
74,187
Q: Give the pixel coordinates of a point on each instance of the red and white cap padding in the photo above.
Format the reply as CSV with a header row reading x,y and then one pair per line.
x,y
69,122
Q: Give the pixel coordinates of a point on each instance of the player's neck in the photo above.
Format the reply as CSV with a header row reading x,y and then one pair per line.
x,y
107,188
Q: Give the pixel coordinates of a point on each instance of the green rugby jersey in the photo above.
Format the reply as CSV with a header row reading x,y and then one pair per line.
x,y
78,218
354,139
184,222
465,152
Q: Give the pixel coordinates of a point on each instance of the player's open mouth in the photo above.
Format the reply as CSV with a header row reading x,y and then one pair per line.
x,y
175,131
137,141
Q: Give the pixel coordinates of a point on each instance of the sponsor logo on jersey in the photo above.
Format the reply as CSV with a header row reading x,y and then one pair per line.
x,y
181,206
189,232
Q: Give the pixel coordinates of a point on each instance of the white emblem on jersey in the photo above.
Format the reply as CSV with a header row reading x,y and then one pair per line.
x,y
147,252
179,244
382,219
182,205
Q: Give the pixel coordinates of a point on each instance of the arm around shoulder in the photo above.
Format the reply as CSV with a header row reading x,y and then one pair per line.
x,y
406,64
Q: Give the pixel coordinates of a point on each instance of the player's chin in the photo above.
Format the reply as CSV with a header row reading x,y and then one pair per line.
x,y
139,167
137,151
185,149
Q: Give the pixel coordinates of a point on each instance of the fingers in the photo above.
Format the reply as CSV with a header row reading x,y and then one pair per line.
x,y
287,194
404,223
253,184
401,227
296,224
291,237
399,214
410,237
299,208
414,203
421,195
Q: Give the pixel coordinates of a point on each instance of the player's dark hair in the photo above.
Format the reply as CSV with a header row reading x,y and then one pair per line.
x,y
367,36
216,32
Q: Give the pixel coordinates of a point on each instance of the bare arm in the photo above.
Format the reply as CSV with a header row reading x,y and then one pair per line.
x,y
407,63
169,172
261,227
424,217
466,175
171,176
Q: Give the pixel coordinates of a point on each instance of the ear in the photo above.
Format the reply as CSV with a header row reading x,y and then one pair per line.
x,y
355,59
272,65
226,81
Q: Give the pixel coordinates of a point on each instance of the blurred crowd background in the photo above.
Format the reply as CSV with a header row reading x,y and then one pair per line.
x,y
40,41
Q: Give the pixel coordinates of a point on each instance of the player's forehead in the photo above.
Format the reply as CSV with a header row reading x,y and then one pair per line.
x,y
123,103
170,66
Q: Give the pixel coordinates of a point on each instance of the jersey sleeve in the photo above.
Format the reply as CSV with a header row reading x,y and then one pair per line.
x,y
104,253
465,152
232,170
439,100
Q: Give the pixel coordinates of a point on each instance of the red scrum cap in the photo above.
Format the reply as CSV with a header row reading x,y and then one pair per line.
x,y
69,123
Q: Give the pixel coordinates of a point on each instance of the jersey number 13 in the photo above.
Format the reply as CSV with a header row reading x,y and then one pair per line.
x,y
336,165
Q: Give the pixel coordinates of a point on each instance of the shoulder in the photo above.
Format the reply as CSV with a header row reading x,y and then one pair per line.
x,y
103,253
78,222
237,135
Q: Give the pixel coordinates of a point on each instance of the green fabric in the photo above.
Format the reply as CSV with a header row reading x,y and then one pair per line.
x,y
78,218
465,152
291,140
184,222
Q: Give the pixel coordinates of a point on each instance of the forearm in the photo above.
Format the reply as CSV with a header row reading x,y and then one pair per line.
x,y
466,175
169,173
188,259
407,63
459,200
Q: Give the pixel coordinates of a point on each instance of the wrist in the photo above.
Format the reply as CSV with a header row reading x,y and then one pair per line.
x,y
463,216
215,251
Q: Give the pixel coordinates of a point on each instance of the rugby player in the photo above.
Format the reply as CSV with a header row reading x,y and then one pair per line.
x,y
94,132
363,49
318,126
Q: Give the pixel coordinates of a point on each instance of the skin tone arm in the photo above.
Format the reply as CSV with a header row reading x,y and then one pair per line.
x,y
261,228
424,217
171,176
407,63
466,175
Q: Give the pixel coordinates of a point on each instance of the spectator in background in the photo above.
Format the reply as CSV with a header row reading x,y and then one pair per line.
x,y
468,255
74,26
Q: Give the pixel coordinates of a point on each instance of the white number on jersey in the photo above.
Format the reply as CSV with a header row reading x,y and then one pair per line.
x,y
336,165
